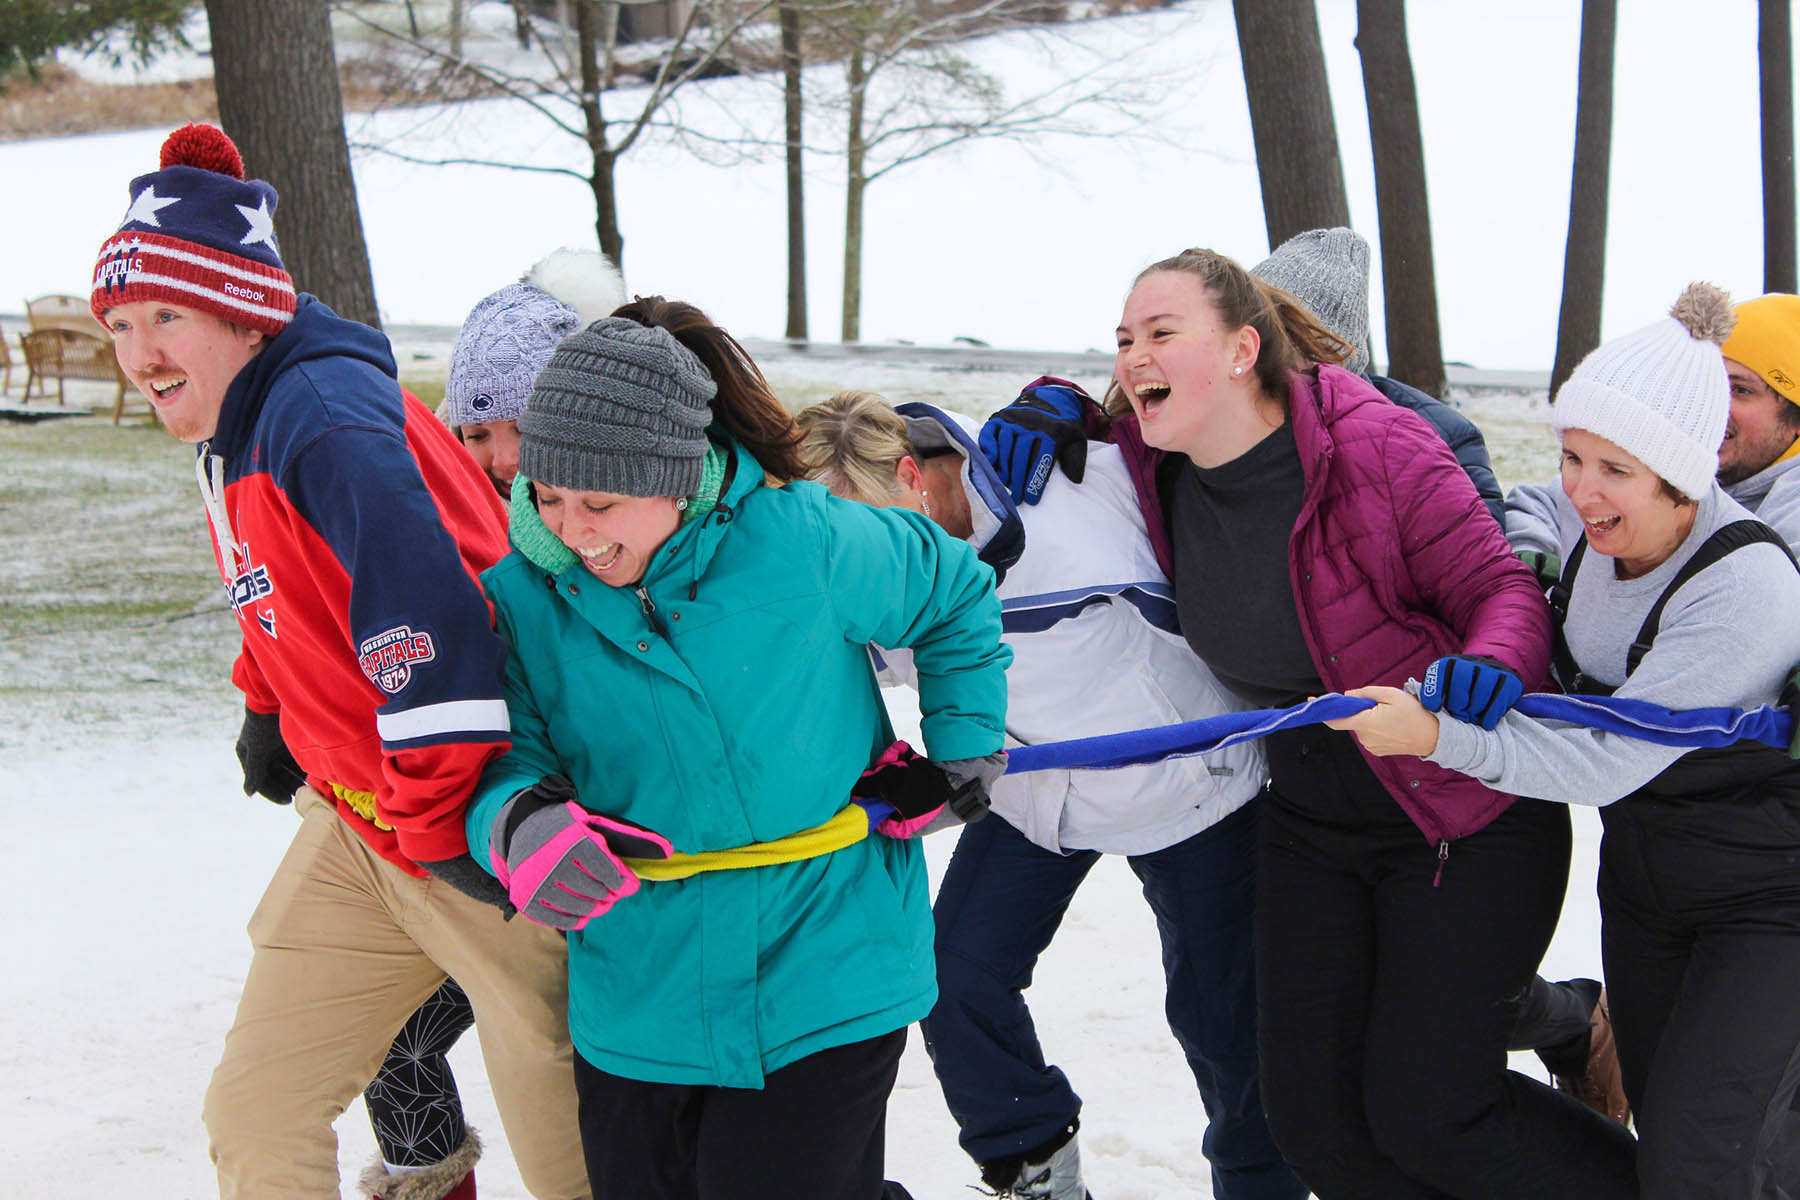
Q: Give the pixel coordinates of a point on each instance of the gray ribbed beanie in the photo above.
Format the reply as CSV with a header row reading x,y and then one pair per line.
x,y
499,351
621,408
1328,271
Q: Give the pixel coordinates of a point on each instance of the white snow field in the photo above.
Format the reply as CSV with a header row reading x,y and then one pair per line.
x,y
1033,246
136,858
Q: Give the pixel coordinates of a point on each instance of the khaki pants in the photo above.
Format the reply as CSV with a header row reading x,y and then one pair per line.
x,y
346,947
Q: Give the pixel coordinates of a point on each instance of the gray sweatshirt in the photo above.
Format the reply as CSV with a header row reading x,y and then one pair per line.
x,y
1540,517
1728,639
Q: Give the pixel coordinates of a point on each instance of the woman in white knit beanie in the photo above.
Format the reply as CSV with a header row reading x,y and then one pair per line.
x,y
1673,594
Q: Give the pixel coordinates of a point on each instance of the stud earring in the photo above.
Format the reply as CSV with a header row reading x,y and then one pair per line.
x,y
681,503
925,500
1237,370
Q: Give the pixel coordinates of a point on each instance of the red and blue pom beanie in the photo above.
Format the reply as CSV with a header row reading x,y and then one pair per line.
x,y
199,235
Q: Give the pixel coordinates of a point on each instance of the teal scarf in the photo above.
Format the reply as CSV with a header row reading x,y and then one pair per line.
x,y
545,550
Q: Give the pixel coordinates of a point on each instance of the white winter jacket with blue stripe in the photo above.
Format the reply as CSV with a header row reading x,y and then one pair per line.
x,y
1091,622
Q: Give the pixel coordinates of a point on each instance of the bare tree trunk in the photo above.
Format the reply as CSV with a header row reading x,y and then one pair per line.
x,y
855,183
1408,276
456,28
791,63
1775,56
1584,257
522,23
1297,159
606,200
275,71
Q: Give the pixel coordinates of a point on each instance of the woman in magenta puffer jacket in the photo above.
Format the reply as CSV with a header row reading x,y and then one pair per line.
x,y
1319,538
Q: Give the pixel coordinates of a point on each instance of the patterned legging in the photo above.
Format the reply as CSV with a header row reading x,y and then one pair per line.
x,y
412,1101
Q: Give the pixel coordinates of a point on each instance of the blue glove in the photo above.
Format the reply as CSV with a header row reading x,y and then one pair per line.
x,y
1470,688
1046,425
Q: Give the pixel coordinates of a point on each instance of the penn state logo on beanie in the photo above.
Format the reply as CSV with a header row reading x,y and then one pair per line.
x,y
200,235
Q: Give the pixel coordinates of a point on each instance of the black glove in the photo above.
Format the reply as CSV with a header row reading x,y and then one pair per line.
x,y
1547,567
467,877
1790,700
907,782
1046,424
268,767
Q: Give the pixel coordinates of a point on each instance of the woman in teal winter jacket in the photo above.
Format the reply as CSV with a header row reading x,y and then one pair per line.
x,y
689,677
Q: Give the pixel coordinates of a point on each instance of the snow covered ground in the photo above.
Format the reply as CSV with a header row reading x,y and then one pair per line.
x,y
136,858
1032,246
138,861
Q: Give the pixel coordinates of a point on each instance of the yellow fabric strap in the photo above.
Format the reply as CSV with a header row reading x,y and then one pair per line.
x,y
850,826
362,804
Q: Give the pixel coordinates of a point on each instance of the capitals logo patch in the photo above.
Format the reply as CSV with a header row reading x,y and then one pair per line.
x,y
389,657
249,584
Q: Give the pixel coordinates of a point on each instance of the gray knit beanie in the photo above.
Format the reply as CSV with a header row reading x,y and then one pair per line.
x,y
621,408
499,351
1327,270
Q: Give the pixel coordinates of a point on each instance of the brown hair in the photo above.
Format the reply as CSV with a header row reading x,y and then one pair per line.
x,y
1292,338
745,404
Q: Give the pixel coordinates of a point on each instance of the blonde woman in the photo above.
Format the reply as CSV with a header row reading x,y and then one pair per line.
x,y
1090,618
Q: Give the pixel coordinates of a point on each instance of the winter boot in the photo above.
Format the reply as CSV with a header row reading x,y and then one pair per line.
x,y
452,1178
1600,1086
1051,1172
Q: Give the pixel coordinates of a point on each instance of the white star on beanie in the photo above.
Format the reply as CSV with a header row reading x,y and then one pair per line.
x,y
144,206
261,222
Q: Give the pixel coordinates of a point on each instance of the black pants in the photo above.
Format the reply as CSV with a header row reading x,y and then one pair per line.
x,y
413,1104
1386,992
1700,935
815,1131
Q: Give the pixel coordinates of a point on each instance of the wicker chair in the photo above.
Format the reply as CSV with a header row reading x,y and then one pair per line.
x,y
62,312
65,354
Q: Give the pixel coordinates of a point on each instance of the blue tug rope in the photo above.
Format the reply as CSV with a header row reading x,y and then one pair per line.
x,y
1693,728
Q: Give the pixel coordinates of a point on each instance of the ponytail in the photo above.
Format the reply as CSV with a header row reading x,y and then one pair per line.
x,y
745,405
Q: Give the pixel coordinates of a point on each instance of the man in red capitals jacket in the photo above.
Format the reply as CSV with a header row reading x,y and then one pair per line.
x,y
349,528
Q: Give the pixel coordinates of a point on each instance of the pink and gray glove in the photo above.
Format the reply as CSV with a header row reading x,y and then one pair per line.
x,y
562,865
918,791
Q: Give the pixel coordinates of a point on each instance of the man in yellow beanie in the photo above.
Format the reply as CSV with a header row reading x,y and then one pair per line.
x,y
1762,438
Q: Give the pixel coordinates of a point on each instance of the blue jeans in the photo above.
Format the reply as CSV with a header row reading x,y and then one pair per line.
x,y
1000,904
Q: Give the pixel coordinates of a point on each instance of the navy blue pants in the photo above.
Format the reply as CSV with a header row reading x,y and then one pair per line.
x,y
1000,904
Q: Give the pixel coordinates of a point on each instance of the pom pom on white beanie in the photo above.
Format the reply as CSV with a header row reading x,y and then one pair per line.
x,y
1660,393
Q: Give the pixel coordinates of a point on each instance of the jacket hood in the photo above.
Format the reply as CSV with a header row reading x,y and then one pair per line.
x,y
999,536
315,333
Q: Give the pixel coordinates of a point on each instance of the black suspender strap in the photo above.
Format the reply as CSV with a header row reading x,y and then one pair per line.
x,y
1724,540
1562,661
